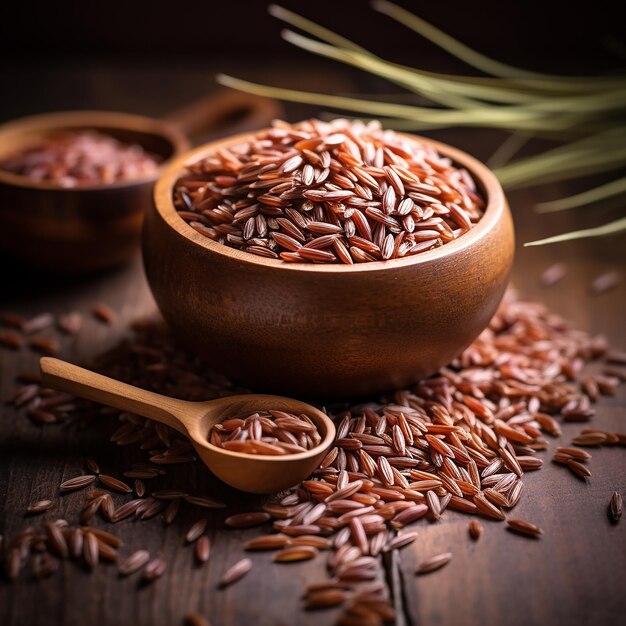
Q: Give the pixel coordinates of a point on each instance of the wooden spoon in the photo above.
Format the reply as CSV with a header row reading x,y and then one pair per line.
x,y
248,472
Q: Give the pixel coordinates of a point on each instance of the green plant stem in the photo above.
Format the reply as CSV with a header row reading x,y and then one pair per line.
x,y
441,117
545,168
602,192
612,228
446,92
507,150
481,88
412,81
285,15
591,150
480,61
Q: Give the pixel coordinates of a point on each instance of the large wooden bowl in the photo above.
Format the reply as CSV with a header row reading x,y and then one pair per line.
x,y
327,331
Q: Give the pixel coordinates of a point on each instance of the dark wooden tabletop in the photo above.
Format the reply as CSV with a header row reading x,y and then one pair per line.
x,y
574,575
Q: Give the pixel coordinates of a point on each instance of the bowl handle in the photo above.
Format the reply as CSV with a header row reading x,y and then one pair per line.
x,y
224,112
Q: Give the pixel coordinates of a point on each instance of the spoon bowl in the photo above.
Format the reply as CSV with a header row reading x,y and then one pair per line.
x,y
254,473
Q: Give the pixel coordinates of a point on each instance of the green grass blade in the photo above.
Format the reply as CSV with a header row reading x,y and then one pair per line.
x,y
603,145
492,90
538,170
472,57
497,91
450,44
446,93
308,26
602,192
373,65
612,228
480,87
508,149
441,117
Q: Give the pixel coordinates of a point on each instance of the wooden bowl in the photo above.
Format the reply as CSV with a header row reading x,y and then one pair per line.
x,y
327,331
87,228
81,228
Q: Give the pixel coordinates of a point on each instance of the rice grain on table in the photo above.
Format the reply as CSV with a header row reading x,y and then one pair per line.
x,y
475,529
104,313
325,599
574,453
10,339
590,439
140,487
91,551
56,540
171,511
134,562
77,483
203,549
461,439
204,502
70,323
92,465
76,542
235,572
295,553
44,345
39,507
553,274
247,520
268,542
605,282
434,563
400,541
523,527
197,530
125,510
578,468
328,192
12,320
114,483
195,619
107,552
90,509
154,569
615,506
37,324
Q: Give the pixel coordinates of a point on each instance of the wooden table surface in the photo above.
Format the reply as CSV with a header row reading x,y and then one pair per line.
x,y
574,575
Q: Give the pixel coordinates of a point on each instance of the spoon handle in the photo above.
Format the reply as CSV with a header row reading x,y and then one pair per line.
x,y
80,382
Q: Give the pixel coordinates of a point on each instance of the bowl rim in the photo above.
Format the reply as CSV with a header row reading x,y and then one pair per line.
x,y
114,120
485,180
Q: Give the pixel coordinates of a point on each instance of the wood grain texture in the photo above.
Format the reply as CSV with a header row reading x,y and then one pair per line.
x,y
572,575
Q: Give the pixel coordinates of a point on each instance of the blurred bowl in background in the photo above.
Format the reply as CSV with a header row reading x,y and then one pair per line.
x,y
92,227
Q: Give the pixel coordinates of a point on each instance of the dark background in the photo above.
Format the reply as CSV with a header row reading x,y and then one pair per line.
x,y
152,57
539,35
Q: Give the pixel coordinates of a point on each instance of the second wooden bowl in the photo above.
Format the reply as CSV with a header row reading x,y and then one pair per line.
x,y
327,331
80,229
